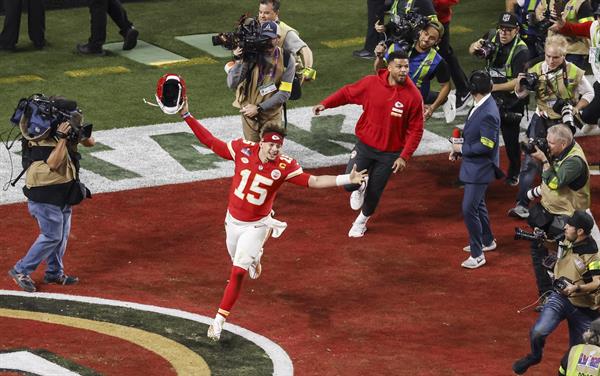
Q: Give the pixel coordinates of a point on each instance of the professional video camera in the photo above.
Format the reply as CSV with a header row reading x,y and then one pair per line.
x,y
404,29
565,109
247,36
530,81
487,50
529,146
44,114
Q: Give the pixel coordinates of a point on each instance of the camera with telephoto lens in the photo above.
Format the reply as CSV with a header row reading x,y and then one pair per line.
x,y
565,109
45,114
529,146
530,81
403,29
486,50
536,236
247,36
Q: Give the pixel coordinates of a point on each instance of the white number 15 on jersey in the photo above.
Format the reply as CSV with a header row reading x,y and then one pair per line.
x,y
256,194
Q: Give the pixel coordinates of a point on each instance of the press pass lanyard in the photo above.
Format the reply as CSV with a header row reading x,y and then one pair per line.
x,y
261,74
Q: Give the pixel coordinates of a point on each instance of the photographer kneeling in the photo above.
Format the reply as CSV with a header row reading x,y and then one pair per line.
x,y
575,298
506,55
263,81
561,92
52,183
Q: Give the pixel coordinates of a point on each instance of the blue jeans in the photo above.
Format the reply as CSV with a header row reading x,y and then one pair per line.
x,y
559,308
50,245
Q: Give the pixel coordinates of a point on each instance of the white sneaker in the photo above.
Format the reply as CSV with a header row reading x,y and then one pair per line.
x,y
486,248
255,269
358,197
450,107
357,230
214,331
473,263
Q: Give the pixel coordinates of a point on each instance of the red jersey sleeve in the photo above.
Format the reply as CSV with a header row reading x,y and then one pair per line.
x,y
577,29
414,130
203,135
300,179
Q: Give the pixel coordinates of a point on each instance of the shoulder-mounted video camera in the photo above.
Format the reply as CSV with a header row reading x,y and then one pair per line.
x,y
247,36
39,116
404,29
486,50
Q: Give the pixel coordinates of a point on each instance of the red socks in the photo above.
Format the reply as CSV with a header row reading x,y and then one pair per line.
x,y
232,291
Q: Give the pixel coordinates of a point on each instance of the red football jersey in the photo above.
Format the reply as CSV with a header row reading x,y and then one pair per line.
x,y
255,184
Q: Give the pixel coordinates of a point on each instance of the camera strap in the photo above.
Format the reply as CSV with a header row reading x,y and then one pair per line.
x,y
565,77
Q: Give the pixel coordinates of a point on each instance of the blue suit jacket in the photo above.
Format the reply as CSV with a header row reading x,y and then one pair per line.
x,y
480,153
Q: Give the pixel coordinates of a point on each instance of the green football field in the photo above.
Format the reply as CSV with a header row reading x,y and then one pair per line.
x,y
110,89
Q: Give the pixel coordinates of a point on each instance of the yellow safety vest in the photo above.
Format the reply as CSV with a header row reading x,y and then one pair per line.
x,y
547,90
577,45
584,360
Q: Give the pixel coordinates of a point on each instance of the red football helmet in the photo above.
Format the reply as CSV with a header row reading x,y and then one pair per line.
x,y
170,93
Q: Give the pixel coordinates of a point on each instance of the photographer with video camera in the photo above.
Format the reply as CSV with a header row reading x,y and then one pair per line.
x,y
262,76
561,92
289,39
506,56
425,63
565,188
574,295
51,129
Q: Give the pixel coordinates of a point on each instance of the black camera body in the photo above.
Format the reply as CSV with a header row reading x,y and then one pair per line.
x,y
529,146
45,114
561,283
530,81
247,36
487,50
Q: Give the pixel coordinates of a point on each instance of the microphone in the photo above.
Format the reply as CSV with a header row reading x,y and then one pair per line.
x,y
457,137
65,104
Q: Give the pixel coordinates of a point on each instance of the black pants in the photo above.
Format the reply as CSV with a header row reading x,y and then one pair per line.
x,y
98,11
510,134
591,114
458,76
36,17
375,10
539,252
379,164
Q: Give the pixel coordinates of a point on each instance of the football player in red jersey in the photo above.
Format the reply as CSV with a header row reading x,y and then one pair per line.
x,y
260,169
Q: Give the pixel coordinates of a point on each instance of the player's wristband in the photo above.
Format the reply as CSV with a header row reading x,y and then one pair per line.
x,y
342,180
186,115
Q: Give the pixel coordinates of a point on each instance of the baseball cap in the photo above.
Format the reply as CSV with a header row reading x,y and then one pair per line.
x,y
268,29
581,220
508,20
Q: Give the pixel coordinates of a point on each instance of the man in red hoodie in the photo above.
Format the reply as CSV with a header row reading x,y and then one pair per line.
x,y
388,131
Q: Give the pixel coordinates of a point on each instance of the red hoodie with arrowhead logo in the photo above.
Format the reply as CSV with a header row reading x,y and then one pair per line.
x,y
392,118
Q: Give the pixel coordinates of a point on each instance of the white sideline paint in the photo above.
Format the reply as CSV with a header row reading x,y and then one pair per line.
x,y
134,150
282,364
25,361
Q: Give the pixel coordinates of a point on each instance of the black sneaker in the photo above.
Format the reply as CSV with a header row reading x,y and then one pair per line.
x,y
521,365
364,54
88,49
61,280
130,39
22,280
463,100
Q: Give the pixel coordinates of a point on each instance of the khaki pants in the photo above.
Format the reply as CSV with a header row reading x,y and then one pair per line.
x,y
252,127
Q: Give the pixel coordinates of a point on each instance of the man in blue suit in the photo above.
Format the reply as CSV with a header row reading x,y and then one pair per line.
x,y
480,166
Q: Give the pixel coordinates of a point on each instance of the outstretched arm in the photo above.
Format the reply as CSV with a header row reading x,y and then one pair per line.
x,y
326,181
216,145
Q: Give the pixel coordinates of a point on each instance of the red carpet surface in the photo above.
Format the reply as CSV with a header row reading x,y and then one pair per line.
x,y
395,302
